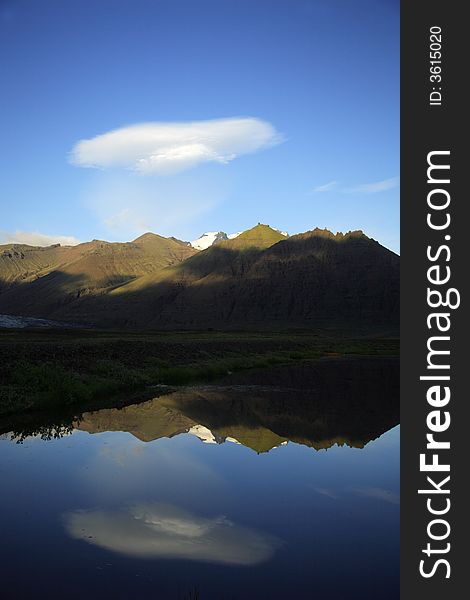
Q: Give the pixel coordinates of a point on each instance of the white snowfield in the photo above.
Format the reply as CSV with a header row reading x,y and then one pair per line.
x,y
207,239
206,435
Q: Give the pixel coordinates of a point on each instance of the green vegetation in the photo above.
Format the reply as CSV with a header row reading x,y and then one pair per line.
x,y
261,236
50,368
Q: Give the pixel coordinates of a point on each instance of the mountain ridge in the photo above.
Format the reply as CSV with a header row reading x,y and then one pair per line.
x,y
210,238
259,278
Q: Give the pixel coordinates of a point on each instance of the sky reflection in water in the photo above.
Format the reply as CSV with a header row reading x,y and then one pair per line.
x,y
105,514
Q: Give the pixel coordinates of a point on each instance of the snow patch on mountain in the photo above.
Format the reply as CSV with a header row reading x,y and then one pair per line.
x,y
208,239
208,437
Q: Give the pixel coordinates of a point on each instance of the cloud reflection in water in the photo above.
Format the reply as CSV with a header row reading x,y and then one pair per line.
x,y
166,531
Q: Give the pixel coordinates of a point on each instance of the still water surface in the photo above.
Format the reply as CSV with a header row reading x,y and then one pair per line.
x,y
278,485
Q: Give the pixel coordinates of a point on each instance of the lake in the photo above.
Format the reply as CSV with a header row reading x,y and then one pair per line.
x,y
277,484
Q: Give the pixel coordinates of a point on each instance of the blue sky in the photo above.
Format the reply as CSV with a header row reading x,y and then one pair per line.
x,y
177,116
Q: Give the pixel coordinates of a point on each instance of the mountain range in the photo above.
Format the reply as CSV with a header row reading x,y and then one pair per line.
x,y
259,278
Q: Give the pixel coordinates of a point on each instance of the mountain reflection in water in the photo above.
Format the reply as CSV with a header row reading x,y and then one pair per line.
x,y
335,401
128,498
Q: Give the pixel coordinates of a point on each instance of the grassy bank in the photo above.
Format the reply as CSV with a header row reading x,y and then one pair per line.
x,y
48,368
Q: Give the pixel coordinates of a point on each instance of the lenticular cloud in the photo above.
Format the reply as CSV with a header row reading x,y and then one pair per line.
x,y
167,148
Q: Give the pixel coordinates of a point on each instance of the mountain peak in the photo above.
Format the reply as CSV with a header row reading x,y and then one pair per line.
x,y
147,237
209,239
259,236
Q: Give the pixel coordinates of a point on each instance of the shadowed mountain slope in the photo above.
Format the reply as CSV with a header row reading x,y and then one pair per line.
x,y
23,263
259,279
50,280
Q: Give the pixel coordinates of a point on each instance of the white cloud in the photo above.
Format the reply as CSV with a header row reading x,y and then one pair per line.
x,y
327,187
374,187
166,148
34,238
327,492
165,531
378,494
364,188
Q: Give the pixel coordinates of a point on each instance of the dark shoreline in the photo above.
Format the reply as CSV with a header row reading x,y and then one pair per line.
x,y
50,369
